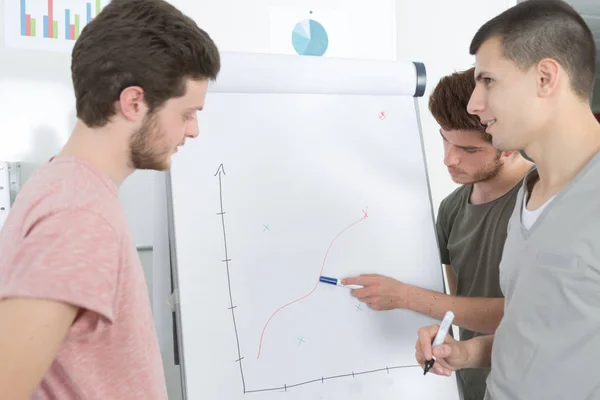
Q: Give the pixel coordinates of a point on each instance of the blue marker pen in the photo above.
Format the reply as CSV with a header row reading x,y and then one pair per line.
x,y
337,282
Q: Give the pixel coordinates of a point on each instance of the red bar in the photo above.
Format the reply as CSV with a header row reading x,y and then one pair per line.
x,y
72,34
50,20
28,24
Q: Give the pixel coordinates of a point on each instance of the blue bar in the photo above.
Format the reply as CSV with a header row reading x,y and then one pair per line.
x,y
88,11
67,24
45,26
23,21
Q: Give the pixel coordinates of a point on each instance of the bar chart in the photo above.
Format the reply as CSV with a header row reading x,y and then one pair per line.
x,y
52,25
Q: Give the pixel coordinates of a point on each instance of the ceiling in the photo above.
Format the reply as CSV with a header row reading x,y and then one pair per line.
x,y
590,11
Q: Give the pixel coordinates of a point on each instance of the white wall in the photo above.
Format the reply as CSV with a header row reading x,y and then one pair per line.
x,y
441,41
356,28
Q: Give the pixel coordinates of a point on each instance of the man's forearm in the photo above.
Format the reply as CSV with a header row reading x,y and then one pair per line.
x,y
480,351
478,314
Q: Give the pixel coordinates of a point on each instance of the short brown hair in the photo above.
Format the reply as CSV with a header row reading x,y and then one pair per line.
x,y
146,43
538,29
448,103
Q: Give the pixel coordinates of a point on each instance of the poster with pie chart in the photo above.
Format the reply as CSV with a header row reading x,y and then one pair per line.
x,y
344,29
310,32
309,38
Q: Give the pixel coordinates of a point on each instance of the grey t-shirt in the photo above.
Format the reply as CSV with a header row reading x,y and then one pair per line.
x,y
471,238
548,343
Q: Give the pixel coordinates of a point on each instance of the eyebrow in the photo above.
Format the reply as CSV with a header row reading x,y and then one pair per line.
x,y
462,147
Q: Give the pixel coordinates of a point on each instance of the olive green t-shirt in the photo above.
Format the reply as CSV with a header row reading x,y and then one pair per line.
x,y
471,239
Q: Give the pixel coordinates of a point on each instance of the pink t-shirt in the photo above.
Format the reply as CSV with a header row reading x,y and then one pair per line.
x,y
67,239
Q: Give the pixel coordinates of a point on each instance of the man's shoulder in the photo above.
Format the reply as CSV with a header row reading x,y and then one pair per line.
x,y
62,186
455,199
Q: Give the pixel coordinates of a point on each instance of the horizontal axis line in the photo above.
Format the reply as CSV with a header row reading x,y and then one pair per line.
x,y
322,379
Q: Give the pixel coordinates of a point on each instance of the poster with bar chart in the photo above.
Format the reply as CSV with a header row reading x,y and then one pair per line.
x,y
50,25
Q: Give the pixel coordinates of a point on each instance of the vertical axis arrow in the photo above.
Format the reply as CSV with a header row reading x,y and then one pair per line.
x,y
219,173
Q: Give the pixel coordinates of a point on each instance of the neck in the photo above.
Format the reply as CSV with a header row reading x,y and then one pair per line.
x,y
511,173
566,145
101,147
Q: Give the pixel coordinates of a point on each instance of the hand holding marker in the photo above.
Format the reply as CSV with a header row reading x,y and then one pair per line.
x,y
337,282
440,337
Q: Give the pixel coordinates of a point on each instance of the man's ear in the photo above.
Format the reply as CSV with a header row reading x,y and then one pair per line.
x,y
548,74
131,103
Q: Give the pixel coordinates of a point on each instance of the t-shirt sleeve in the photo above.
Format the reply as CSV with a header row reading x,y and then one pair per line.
x,y
441,229
69,256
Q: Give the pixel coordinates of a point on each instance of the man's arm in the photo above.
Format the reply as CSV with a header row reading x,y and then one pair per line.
x,y
451,277
478,314
68,261
32,332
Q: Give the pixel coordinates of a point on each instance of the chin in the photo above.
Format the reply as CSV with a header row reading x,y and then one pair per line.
x,y
501,144
165,165
464,181
162,165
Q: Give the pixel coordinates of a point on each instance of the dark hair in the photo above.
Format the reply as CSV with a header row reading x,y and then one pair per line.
x,y
448,103
146,43
538,29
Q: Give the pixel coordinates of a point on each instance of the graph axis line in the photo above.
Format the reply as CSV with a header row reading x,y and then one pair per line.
x,y
286,387
232,307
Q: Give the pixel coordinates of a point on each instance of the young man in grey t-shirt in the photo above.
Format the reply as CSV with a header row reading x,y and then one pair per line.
x,y
535,71
471,227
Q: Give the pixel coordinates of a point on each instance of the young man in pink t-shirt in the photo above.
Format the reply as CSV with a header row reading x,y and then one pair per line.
x,y
75,318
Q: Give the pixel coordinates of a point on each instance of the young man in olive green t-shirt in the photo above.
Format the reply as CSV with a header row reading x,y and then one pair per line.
x,y
471,227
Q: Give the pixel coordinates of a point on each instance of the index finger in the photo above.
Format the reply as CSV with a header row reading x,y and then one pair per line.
x,y
363,280
426,335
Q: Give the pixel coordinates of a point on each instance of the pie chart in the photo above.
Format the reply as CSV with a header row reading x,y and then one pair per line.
x,y
309,38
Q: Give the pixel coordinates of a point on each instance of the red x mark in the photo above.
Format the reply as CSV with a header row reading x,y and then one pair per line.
x,y
366,212
381,115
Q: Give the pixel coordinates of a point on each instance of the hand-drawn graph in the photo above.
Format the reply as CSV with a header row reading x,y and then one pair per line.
x,y
365,216
299,340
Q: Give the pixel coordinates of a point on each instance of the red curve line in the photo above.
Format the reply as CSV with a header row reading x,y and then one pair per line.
x,y
365,216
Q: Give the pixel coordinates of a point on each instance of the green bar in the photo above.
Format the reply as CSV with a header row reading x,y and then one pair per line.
x,y
76,26
97,7
55,33
32,26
